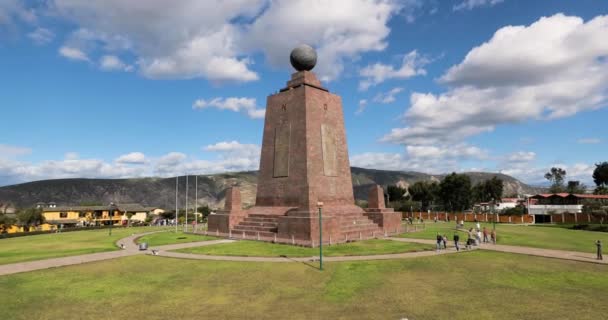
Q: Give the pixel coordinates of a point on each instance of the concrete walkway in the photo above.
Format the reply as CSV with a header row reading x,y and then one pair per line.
x,y
547,253
131,248
404,255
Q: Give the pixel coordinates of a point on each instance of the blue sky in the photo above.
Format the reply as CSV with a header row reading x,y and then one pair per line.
x,y
120,88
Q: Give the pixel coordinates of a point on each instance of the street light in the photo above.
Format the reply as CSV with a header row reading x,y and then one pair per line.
x,y
111,213
320,205
493,216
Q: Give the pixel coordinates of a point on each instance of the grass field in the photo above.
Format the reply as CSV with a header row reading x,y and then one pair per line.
x,y
55,245
170,237
265,249
470,285
519,235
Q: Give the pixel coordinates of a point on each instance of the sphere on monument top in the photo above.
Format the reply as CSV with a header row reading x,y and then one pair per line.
x,y
303,57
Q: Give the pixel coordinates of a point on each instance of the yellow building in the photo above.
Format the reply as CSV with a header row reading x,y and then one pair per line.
x,y
43,227
96,215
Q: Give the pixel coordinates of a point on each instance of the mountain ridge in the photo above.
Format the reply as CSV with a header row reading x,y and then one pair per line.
x,y
160,192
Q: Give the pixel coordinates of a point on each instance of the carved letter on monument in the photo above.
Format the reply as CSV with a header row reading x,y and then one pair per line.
x,y
328,141
281,150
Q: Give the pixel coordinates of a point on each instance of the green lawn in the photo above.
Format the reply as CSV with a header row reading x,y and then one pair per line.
x,y
63,244
520,235
170,237
470,285
265,249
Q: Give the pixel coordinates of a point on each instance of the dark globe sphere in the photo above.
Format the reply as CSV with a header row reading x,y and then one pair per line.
x,y
303,57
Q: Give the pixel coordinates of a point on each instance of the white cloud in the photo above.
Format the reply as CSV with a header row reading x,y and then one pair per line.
x,y
229,156
472,4
428,159
14,10
521,156
72,156
245,105
554,68
8,151
535,174
589,140
362,104
339,29
73,53
112,63
191,38
387,97
132,158
41,36
411,65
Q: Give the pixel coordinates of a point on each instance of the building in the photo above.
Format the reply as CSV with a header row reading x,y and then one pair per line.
x,y
498,206
543,205
73,216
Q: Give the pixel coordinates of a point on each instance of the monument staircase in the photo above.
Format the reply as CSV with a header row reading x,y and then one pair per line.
x,y
352,226
264,225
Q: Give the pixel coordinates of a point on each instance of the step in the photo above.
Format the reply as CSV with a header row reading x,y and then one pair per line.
x,y
256,219
257,228
259,215
261,224
360,228
237,233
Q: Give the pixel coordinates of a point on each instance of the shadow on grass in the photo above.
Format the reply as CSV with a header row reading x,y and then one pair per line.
x,y
306,263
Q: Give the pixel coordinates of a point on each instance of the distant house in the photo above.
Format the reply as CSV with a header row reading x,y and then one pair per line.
x,y
71,216
549,203
503,204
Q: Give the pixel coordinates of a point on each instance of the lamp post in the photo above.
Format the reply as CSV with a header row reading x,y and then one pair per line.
x,y
320,205
111,214
493,216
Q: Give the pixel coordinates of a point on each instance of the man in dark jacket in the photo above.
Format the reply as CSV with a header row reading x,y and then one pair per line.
x,y
598,243
456,239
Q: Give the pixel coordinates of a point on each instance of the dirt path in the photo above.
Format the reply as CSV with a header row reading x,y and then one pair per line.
x,y
547,253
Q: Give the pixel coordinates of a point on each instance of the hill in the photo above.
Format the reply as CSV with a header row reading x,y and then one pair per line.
x,y
161,191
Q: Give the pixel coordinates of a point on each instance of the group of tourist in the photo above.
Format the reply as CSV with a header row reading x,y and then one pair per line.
x,y
475,236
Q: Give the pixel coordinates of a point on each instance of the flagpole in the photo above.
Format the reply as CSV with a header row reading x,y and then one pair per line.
x,y
186,225
176,194
196,199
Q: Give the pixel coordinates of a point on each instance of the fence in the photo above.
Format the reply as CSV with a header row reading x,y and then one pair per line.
x,y
327,239
573,218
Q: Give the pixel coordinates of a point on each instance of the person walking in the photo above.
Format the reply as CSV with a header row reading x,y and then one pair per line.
x,y
445,241
469,239
493,236
439,240
598,244
485,235
456,239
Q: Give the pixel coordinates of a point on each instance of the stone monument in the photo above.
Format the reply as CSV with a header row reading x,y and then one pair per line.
x,y
304,161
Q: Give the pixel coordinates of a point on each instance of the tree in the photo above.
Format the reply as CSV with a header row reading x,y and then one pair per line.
x,y
600,177
515,211
30,217
455,192
129,214
556,177
205,211
488,190
5,222
576,187
395,193
424,192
